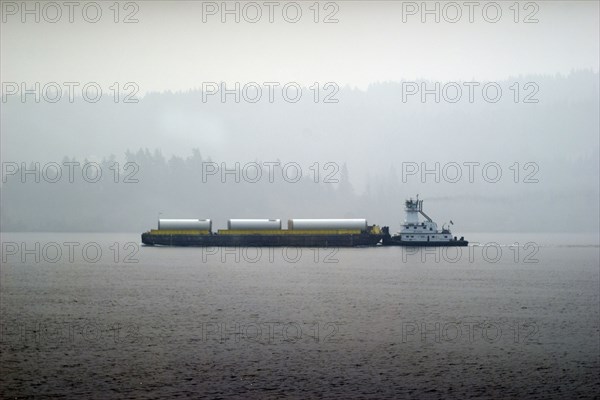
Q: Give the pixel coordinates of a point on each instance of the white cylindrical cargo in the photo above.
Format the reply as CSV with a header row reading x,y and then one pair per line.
x,y
185,224
254,224
327,224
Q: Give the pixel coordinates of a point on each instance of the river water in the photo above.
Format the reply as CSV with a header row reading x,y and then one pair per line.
x,y
100,316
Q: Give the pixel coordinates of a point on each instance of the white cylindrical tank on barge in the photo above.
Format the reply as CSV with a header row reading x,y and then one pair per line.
x,y
254,224
327,224
184,224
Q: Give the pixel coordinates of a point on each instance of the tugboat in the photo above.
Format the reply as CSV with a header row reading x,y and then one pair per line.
x,y
425,233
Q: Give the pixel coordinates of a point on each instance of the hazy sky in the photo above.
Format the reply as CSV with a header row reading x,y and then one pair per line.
x,y
178,45
171,48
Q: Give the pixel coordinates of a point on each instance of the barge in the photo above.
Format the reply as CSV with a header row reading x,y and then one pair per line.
x,y
265,232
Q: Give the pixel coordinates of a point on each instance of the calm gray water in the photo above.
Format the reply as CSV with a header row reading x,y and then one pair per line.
x,y
99,316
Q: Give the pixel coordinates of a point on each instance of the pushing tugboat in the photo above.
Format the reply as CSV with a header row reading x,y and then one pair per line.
x,y
425,233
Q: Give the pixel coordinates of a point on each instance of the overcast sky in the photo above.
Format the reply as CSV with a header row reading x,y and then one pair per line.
x,y
171,48
551,53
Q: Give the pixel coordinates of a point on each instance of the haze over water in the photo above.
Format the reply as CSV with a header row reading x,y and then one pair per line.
x,y
303,323
114,114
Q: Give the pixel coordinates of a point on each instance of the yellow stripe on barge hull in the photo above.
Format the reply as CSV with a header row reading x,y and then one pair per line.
x,y
183,232
290,232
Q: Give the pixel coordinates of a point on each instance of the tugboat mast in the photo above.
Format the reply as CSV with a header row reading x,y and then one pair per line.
x,y
412,209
